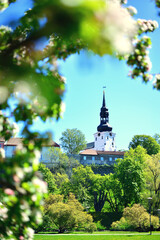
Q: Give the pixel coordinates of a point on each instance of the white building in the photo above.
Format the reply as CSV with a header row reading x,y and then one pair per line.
x,y
10,146
103,149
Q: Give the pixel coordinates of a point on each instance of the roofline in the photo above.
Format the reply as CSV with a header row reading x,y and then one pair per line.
x,y
7,143
102,152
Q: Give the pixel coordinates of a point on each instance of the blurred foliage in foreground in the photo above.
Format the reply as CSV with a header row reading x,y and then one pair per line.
x,y
29,77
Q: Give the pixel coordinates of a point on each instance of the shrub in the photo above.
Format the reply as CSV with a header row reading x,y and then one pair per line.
x,y
100,226
135,218
120,225
68,215
90,227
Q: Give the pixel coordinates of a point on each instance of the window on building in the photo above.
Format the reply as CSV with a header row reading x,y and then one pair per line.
x,y
93,158
99,134
96,138
112,144
107,137
84,157
110,159
102,137
104,143
110,134
102,158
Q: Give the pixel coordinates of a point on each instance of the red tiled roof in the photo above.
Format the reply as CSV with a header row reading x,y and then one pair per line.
x,y
17,141
94,152
89,152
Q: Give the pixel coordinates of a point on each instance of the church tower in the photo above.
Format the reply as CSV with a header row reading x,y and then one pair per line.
x,y
104,138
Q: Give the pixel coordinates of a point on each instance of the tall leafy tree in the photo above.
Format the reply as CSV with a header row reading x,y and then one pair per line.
x,y
48,178
81,184
94,190
73,141
147,142
152,172
129,172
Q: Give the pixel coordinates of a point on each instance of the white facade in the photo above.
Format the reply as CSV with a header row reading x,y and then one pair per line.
x,y
45,155
104,141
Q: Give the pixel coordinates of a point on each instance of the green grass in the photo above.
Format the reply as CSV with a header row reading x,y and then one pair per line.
x,y
127,236
105,232
98,237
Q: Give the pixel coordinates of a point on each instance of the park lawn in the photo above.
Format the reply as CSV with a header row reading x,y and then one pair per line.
x,y
97,237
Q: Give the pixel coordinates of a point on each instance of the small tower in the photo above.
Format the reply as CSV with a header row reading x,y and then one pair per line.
x,y
104,139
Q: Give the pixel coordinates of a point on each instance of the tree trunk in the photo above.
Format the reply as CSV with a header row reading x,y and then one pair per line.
x,y
99,201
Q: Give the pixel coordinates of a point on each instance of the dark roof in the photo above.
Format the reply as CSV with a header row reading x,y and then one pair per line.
x,y
90,145
94,152
110,153
17,141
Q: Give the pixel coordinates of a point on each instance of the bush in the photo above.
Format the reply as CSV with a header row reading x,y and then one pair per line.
x,y
100,226
120,225
68,215
135,218
90,227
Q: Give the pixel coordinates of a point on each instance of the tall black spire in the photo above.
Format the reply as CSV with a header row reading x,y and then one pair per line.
x,y
104,102
104,118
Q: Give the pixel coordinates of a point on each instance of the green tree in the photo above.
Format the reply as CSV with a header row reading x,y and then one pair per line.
x,y
152,176
94,190
68,215
73,141
81,184
129,172
156,136
61,163
114,193
48,178
63,183
146,142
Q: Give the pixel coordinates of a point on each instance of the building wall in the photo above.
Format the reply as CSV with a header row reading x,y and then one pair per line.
x,y
45,155
99,159
44,158
104,141
9,150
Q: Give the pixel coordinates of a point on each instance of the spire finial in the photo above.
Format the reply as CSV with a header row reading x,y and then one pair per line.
x,y
104,102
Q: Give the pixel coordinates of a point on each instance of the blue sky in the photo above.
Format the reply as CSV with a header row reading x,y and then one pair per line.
x,y
133,106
